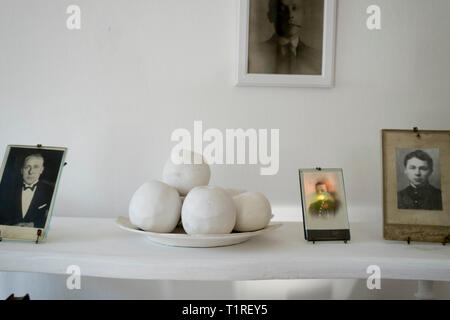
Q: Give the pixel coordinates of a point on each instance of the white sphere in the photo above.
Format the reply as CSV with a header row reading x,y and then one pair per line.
x,y
155,207
186,176
208,210
253,211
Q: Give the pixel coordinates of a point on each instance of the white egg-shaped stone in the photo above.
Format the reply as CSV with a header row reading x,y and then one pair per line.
x,y
208,210
253,211
186,176
155,207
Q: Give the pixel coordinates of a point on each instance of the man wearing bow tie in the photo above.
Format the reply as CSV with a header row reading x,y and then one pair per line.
x,y
31,201
286,52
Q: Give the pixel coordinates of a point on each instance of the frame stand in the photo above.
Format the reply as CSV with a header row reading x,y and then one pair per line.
x,y
38,235
314,241
39,232
446,240
12,297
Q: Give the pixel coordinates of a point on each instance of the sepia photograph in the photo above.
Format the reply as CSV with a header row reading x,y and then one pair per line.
x,y
287,42
29,179
416,174
286,37
323,203
418,179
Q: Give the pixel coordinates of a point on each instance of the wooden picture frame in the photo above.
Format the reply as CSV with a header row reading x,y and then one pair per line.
x,y
29,181
258,40
416,185
324,204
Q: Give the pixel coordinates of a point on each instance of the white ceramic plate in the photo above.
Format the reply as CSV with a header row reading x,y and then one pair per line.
x,y
179,238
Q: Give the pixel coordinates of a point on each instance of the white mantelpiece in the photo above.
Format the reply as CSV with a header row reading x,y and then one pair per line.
x,y
101,249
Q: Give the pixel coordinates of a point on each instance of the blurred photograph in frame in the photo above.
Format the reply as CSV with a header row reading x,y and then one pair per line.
x,y
324,204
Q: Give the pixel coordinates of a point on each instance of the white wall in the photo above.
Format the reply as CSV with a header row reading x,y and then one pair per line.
x,y
115,90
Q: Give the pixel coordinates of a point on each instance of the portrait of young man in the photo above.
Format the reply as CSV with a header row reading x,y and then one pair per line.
x,y
285,37
417,169
27,186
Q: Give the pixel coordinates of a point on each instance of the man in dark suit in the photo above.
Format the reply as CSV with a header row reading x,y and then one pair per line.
x,y
420,194
285,52
30,201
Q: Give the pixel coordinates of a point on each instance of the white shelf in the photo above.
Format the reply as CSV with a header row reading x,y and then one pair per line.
x,y
101,249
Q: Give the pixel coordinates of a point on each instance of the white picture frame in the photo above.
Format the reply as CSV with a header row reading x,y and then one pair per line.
x,y
324,80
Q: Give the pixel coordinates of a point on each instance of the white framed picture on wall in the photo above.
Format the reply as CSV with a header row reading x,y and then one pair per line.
x,y
287,43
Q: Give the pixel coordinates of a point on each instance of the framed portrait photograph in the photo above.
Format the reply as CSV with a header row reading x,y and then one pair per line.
x,y
287,43
28,184
416,181
324,205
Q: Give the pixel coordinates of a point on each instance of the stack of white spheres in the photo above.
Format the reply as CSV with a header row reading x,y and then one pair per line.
x,y
186,176
184,194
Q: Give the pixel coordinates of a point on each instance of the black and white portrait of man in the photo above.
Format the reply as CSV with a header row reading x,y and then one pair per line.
x,y
285,37
418,179
27,186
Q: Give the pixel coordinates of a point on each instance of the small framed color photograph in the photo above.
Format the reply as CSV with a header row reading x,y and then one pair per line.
x,y
324,204
28,184
286,43
416,182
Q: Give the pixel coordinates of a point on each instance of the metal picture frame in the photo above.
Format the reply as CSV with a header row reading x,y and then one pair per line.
x,y
324,204
29,180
